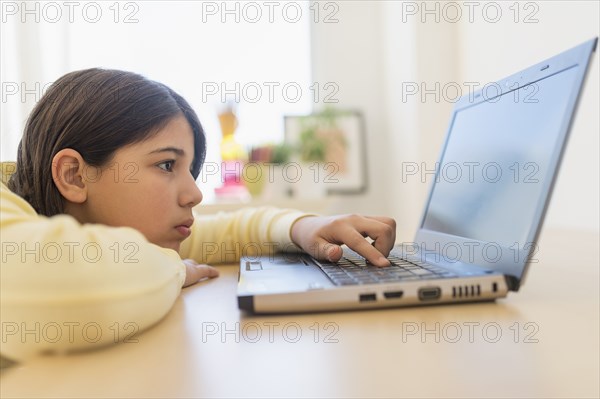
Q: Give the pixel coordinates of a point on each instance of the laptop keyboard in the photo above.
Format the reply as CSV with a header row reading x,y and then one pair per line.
x,y
353,269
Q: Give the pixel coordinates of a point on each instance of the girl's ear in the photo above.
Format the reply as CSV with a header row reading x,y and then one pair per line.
x,y
68,168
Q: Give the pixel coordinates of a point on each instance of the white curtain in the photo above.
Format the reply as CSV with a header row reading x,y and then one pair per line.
x,y
32,54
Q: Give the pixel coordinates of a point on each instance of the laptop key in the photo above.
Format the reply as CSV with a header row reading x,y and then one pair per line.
x,y
352,282
447,275
420,272
410,278
354,269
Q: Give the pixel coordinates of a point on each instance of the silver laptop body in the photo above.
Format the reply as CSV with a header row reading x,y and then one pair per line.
x,y
482,218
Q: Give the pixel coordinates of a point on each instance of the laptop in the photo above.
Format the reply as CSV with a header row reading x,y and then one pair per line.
x,y
481,220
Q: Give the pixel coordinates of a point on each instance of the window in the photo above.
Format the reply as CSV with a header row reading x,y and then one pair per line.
x,y
253,53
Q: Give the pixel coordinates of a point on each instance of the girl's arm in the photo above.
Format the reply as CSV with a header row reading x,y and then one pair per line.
x,y
223,237
68,286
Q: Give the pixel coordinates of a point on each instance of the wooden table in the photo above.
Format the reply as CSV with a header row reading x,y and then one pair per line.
x,y
540,342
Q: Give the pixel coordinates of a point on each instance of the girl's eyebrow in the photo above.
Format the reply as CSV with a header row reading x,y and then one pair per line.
x,y
176,150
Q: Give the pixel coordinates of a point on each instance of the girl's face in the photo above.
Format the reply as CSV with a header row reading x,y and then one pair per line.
x,y
148,186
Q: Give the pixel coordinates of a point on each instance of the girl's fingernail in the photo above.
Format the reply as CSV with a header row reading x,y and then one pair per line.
x,y
330,252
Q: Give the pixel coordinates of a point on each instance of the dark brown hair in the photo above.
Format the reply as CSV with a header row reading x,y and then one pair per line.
x,y
95,112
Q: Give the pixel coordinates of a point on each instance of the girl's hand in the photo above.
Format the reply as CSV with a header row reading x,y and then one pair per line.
x,y
195,272
321,236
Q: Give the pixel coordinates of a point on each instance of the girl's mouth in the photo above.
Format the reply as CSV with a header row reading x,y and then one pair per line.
x,y
184,230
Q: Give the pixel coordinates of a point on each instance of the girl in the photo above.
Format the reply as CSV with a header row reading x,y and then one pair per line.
x,y
97,216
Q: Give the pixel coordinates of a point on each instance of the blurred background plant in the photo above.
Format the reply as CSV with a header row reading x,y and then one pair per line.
x,y
315,136
318,140
310,146
271,153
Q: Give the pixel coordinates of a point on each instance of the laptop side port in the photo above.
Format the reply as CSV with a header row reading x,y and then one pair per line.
x,y
429,293
393,294
367,297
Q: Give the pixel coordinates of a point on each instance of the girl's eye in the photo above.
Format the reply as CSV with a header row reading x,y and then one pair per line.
x,y
167,165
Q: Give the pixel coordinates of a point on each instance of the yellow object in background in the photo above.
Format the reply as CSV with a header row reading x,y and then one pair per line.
x,y
255,174
233,157
231,150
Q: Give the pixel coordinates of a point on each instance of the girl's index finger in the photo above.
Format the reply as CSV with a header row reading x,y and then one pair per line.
x,y
356,242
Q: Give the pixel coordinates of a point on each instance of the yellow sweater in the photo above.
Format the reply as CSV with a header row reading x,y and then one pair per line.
x,y
67,286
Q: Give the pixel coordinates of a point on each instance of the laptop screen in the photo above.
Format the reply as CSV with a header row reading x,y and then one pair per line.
x,y
497,162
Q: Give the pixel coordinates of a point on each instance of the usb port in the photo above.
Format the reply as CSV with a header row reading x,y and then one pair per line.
x,y
429,293
367,297
392,294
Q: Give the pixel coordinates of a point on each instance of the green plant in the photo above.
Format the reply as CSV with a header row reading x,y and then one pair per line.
x,y
311,146
281,153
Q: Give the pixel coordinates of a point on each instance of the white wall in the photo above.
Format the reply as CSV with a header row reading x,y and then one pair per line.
x,y
561,25
376,48
349,53
208,52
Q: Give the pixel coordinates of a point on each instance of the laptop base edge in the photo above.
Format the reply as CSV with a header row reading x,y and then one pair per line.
x,y
418,293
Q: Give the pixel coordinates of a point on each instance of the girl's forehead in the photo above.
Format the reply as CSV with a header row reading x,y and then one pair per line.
x,y
176,136
177,132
